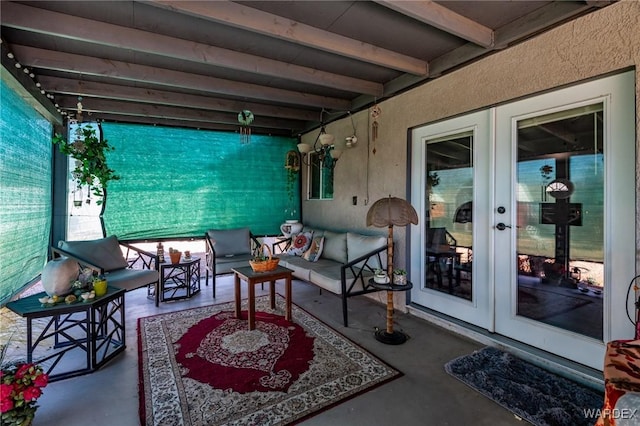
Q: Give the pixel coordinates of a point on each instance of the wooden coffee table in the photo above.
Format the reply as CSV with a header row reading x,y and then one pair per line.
x,y
252,278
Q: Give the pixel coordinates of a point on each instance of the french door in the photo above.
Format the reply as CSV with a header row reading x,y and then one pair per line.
x,y
537,198
451,165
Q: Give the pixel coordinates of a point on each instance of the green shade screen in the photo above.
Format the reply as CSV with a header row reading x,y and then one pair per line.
x,y
181,182
25,191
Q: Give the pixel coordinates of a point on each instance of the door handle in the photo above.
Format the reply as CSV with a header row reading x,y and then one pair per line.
x,y
501,226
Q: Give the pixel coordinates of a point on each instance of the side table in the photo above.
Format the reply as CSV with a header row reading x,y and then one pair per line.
x,y
389,336
179,280
252,278
85,333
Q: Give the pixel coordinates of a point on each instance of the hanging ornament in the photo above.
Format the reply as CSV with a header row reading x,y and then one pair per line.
x,y
79,107
375,113
245,118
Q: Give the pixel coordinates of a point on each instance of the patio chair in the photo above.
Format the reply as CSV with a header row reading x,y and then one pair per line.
x,y
105,256
227,249
441,247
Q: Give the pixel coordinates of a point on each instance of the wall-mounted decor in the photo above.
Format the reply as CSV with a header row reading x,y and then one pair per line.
x,y
245,118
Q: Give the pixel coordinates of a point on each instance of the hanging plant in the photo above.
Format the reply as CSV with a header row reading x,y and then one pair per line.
x,y
292,166
91,164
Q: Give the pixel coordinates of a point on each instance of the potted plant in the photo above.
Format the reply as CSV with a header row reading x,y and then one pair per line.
x,y
175,255
20,387
292,166
380,276
91,165
399,276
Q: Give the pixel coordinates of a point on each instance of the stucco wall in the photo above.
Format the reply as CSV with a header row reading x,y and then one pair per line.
x,y
606,41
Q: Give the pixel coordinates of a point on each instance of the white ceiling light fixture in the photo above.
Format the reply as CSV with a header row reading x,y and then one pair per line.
x,y
323,147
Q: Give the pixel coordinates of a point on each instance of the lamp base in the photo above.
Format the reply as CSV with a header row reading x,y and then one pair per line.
x,y
395,338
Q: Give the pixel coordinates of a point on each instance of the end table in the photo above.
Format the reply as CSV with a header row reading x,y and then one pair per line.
x,y
390,336
179,280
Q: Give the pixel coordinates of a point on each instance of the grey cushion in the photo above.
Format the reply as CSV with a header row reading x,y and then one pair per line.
x,y
359,245
131,279
228,242
335,246
299,265
224,265
105,252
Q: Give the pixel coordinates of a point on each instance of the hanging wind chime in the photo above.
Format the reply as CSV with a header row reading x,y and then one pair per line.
x,y
375,113
245,118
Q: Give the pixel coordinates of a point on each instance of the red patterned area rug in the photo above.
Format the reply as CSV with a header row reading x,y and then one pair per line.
x,y
203,367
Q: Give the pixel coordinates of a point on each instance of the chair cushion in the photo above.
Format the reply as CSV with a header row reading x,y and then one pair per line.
x,y
105,252
228,242
131,279
224,265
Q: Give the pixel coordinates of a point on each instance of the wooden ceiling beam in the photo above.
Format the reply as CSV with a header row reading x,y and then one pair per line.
x,y
438,16
72,63
257,21
193,124
70,86
74,28
95,105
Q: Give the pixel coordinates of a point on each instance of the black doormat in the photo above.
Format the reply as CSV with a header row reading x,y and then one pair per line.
x,y
530,392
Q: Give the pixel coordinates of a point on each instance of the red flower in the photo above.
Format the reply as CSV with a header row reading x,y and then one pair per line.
x,y
6,405
24,369
41,380
32,393
5,391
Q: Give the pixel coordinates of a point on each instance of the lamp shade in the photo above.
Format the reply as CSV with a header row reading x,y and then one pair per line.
x,y
304,148
391,211
335,153
326,139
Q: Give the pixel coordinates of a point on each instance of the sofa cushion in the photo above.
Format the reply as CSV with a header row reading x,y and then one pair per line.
x,y
335,246
229,242
104,252
298,265
326,274
315,249
300,243
358,245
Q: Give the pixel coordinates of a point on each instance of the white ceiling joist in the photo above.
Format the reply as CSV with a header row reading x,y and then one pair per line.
x,y
70,27
257,21
442,18
144,95
67,62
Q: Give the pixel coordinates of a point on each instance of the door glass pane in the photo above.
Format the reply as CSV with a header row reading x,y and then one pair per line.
x,y
448,216
560,206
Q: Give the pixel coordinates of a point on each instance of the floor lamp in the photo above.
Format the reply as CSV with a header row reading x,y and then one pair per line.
x,y
388,212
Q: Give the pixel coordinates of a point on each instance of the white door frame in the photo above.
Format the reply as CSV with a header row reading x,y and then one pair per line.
x,y
493,307
479,309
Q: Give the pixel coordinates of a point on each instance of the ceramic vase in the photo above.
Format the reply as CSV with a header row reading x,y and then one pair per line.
x,y
58,276
290,227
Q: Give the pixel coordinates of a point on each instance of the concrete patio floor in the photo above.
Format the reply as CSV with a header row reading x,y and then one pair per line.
x,y
424,395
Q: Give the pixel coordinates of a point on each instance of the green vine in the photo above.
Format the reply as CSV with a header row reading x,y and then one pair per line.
x,y
91,165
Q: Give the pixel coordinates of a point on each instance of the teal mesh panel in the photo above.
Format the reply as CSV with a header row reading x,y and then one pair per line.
x,y
181,182
25,191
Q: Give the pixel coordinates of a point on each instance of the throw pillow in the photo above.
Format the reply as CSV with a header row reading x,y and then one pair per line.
x,y
315,250
300,243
